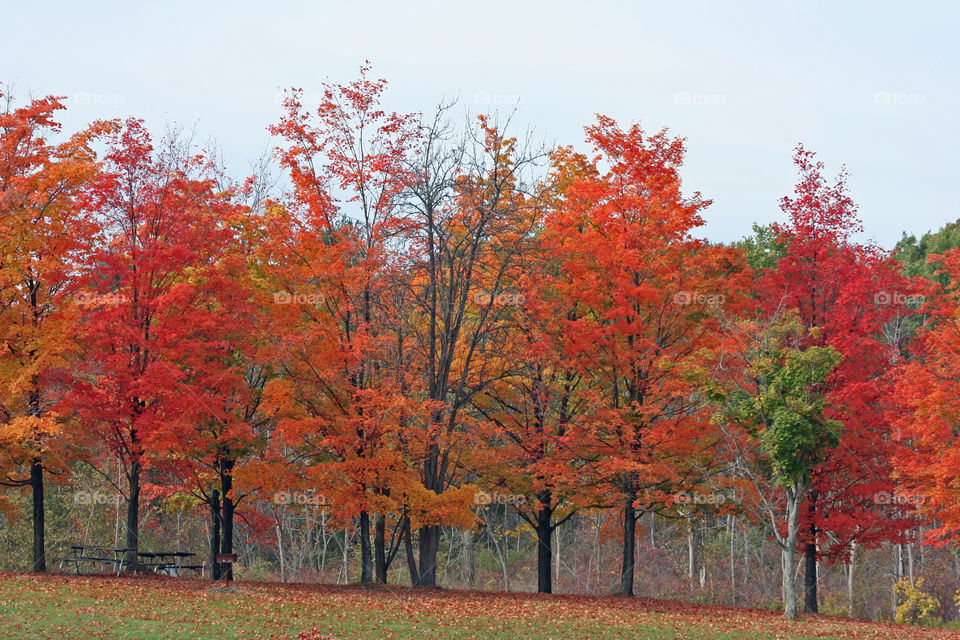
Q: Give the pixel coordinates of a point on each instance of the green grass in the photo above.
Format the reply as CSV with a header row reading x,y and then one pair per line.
x,y
86,608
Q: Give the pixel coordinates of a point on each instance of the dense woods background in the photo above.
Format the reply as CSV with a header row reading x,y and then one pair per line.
x,y
423,350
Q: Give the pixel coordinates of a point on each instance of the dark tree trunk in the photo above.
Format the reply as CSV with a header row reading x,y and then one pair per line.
x,y
133,512
366,556
429,545
226,533
215,535
545,546
429,536
36,484
411,558
380,548
629,544
810,578
810,558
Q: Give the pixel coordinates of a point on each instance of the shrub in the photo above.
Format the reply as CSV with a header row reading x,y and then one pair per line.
x,y
915,605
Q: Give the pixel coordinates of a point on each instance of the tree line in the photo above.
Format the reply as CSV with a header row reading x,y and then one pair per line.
x,y
421,317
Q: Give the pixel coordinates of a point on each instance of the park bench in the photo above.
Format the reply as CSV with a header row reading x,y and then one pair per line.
x,y
95,556
169,563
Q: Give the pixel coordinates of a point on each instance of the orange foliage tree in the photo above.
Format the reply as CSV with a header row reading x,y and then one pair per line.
x,y
928,412
330,255
645,291
44,236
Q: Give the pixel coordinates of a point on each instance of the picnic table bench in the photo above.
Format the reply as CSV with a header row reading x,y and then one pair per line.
x,y
170,563
96,556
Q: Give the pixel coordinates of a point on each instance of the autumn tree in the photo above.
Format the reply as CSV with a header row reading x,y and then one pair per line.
x,y
769,386
643,290
347,162
223,370
471,220
846,295
149,318
926,424
44,236
533,460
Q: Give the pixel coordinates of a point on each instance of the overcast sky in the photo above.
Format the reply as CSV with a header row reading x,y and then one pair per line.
x,y
868,84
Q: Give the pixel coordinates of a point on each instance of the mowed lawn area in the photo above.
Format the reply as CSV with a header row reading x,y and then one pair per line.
x,y
85,608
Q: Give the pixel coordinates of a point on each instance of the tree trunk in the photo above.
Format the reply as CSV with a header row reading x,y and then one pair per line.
x,y
692,552
502,556
787,550
544,546
226,534
429,545
411,558
36,484
451,541
653,530
380,548
629,544
346,556
215,534
897,577
810,557
910,562
850,575
810,578
557,559
746,554
429,535
470,560
283,574
133,512
326,540
732,524
366,557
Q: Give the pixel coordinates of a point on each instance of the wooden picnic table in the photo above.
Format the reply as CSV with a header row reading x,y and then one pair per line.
x,y
169,562
96,555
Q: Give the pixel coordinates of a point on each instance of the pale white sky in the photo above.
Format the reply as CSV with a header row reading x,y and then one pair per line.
x,y
873,85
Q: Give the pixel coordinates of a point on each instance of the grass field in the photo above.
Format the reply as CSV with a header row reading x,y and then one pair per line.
x,y
86,608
